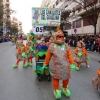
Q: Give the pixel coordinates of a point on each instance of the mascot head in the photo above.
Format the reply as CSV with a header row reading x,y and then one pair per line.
x,y
59,36
81,43
98,72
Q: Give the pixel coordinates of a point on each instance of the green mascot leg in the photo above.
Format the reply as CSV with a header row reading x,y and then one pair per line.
x,y
57,94
77,68
57,91
14,66
65,89
24,66
66,92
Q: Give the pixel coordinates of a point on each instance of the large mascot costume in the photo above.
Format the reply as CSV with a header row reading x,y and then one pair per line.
x,y
59,59
96,81
81,55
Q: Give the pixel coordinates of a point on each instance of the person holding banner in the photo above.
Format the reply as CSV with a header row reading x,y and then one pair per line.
x,y
60,61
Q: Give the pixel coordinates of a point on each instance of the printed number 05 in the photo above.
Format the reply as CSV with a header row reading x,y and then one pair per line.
x,y
39,29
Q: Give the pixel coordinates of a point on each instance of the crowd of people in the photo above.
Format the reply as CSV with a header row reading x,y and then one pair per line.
x,y
12,38
92,42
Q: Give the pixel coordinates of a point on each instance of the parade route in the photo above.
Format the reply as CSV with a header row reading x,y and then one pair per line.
x,y
22,84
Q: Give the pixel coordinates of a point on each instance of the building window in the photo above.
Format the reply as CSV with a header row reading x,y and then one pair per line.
x,y
7,0
90,2
67,26
74,24
78,23
78,7
88,20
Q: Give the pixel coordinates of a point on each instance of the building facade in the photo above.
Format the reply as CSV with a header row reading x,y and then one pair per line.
x,y
77,19
20,28
16,26
84,19
6,16
45,3
1,18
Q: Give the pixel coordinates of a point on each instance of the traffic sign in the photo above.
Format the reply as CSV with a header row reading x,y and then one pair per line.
x,y
75,30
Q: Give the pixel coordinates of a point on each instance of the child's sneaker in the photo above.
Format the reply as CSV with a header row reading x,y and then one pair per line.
x,y
57,94
27,64
66,92
88,66
15,66
77,68
30,64
24,66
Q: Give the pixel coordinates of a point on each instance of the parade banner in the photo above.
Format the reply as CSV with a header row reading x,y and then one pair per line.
x,y
46,16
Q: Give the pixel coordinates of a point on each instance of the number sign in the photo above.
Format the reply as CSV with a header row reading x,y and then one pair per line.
x,y
37,29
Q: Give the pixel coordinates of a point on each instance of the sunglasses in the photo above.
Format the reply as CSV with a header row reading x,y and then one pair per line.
x,y
60,37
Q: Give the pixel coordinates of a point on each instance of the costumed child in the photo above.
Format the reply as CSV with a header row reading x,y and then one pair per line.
x,y
81,55
43,42
20,55
59,59
96,80
29,51
17,43
50,41
12,38
41,48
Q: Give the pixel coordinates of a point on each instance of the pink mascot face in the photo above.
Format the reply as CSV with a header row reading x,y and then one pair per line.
x,y
36,15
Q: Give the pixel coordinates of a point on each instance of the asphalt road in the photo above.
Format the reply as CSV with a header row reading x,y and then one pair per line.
x,y
22,84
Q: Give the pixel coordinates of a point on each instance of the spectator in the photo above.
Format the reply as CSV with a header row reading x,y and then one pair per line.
x,y
99,43
21,38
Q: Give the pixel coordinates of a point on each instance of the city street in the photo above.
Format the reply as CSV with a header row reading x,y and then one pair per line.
x,y
22,84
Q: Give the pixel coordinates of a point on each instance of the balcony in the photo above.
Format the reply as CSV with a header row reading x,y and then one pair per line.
x,y
71,14
59,5
8,13
7,3
4,16
7,7
66,4
8,18
76,12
